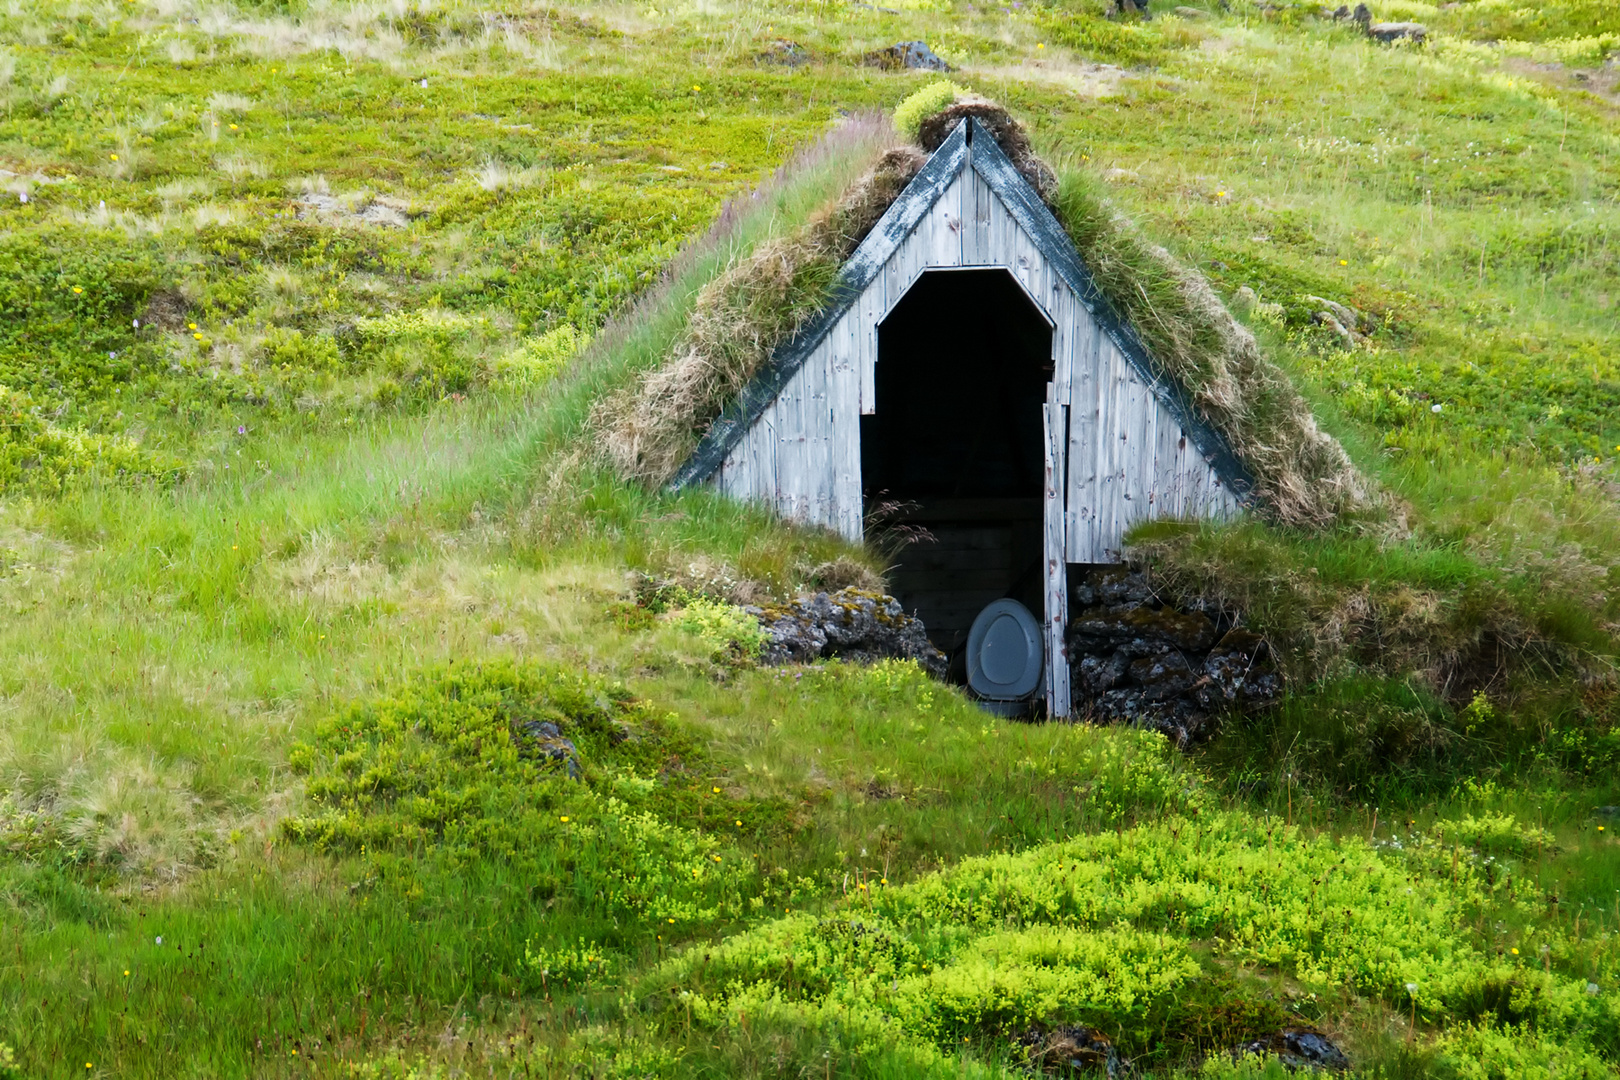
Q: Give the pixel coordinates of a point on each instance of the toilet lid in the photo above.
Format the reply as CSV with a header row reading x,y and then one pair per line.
x,y
1005,651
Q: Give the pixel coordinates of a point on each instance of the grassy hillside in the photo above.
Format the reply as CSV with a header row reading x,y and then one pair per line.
x,y
302,308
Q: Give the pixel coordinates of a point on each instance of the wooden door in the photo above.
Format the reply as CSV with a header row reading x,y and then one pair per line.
x,y
1057,579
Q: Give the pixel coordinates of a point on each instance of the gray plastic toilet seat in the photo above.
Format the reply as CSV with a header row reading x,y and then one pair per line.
x,y
1005,652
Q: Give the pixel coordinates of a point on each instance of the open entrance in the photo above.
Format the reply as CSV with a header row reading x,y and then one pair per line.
x,y
955,448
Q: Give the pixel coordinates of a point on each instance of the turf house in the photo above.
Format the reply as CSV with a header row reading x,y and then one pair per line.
x,y
967,377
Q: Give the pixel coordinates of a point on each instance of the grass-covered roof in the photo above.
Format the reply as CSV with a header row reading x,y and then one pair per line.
x,y
760,296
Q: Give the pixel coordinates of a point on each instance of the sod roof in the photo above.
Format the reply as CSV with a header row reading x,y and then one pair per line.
x,y
765,304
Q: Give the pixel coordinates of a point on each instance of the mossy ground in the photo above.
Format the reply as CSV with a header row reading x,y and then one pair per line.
x,y
221,542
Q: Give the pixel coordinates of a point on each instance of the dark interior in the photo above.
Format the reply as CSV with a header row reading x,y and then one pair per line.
x,y
952,461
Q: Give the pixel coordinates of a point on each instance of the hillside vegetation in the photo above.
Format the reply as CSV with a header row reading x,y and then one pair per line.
x,y
338,739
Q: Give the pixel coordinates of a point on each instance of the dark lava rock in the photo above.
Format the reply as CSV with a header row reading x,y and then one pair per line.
x,y
853,624
1238,671
902,55
1177,719
1298,1048
1163,677
543,741
1141,629
1136,660
1099,673
785,52
1389,32
1074,1048
1117,586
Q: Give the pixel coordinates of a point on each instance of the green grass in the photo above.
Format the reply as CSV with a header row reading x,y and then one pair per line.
x,y
361,475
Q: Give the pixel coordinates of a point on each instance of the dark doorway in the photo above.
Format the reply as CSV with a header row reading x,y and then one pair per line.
x,y
955,451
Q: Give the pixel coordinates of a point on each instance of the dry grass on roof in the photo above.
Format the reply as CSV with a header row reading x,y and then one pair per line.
x,y
1009,134
645,333
1303,476
651,427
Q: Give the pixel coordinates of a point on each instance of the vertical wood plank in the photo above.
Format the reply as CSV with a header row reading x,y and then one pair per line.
x,y
1062,312
1127,438
844,432
937,235
791,453
1175,438
766,476
1112,515
976,248
818,443
1161,497
871,309
1084,416
1139,447
1057,588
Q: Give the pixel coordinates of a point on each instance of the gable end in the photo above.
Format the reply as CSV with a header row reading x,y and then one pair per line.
x,y
969,142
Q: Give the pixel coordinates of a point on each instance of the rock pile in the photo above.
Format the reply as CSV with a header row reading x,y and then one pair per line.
x,y
1074,1048
1390,32
1386,32
1135,660
543,741
904,55
785,52
854,624
1298,1048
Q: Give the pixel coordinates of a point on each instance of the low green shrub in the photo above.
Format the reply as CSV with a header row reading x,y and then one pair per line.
x,y
70,295
1129,44
1498,834
456,767
727,629
1487,1052
910,113
567,963
1116,931
540,359
39,458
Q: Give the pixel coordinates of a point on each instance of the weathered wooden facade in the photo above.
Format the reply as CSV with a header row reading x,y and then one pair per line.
x,y
969,377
